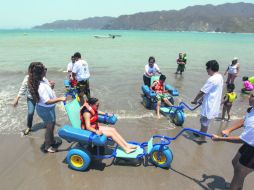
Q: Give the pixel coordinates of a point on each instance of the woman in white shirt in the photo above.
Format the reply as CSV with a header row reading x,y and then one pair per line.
x,y
233,71
243,161
46,99
150,70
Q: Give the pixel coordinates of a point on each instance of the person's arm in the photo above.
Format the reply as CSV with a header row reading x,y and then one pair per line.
x,y
55,100
153,85
87,117
157,69
22,91
237,69
146,71
238,124
233,139
224,100
198,97
226,71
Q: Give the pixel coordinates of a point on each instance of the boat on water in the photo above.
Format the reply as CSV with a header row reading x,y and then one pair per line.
x,y
112,36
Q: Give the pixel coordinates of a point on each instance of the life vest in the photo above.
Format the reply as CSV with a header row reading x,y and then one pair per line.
x,y
93,119
158,88
231,96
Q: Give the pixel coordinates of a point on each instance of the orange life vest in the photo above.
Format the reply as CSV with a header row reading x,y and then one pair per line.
x,y
93,119
158,88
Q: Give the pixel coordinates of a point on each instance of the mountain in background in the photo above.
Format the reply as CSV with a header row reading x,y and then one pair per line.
x,y
89,23
229,17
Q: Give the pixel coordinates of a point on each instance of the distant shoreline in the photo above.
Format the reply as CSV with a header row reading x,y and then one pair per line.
x,y
81,29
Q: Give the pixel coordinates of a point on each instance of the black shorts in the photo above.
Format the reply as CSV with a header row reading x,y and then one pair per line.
x,y
147,80
83,86
247,155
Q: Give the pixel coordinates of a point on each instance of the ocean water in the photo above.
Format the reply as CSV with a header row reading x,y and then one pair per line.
x,y
117,66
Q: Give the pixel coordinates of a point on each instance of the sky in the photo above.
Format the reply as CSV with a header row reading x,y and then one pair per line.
x,y
29,13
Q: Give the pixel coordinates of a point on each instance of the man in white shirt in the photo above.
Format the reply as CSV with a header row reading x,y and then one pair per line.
x,y
210,94
150,70
70,66
80,72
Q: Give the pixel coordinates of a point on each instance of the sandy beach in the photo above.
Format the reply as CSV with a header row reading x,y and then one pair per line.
x,y
24,166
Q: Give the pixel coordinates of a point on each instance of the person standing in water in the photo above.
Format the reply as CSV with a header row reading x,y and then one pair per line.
x,y
210,94
150,70
80,72
233,71
181,61
45,99
24,91
69,67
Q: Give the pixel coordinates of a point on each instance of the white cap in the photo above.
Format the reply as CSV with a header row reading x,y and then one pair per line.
x,y
235,58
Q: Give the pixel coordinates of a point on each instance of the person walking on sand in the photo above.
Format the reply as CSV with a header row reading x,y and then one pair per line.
x,y
210,94
45,99
243,162
80,72
24,91
233,71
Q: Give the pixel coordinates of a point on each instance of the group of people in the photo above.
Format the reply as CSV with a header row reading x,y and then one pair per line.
x,y
210,95
40,96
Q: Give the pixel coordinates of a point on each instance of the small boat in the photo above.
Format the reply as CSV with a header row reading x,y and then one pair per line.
x,y
101,36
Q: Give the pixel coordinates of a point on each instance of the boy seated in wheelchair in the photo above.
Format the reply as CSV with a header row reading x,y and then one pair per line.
x,y
161,94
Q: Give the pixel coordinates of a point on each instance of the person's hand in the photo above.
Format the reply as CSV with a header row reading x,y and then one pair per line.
x,y
98,132
215,137
62,98
15,103
225,132
194,102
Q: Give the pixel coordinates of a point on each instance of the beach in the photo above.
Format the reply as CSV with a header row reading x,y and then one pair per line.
x,y
116,67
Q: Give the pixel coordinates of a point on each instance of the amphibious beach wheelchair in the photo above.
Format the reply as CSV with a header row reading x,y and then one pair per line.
x,y
155,151
176,113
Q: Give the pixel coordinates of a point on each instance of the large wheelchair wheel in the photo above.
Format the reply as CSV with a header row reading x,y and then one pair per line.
x,y
178,118
161,158
78,159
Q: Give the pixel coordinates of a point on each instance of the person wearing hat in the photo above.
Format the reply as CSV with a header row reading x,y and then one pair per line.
x,y
233,71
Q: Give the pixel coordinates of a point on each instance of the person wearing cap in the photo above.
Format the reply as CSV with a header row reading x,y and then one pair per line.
x,y
80,72
233,71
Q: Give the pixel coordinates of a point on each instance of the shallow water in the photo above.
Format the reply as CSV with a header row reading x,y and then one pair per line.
x,y
117,65
116,69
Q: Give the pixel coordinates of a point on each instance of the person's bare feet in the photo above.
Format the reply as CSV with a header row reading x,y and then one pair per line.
x,y
132,146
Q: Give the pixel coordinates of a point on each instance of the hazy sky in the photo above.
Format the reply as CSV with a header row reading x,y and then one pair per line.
x,y
28,13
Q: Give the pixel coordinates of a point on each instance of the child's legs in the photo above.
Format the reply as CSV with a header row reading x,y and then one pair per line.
x,y
167,101
158,107
228,108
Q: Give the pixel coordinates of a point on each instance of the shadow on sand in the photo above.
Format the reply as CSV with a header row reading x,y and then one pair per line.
x,y
208,182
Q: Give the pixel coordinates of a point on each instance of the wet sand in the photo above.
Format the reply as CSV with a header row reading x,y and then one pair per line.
x,y
24,166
